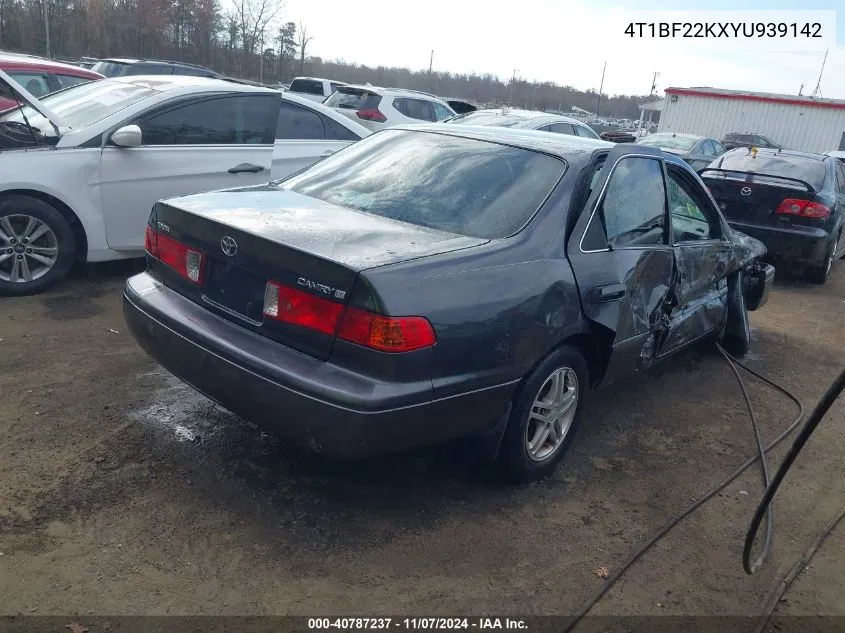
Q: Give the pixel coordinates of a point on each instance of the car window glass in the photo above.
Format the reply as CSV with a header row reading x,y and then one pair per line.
x,y
240,120
840,172
584,131
33,82
448,183
689,223
418,109
298,122
808,169
66,81
441,112
149,69
634,206
307,86
718,148
337,131
334,86
562,128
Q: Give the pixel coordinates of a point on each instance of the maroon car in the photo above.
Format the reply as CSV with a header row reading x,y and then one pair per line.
x,y
41,76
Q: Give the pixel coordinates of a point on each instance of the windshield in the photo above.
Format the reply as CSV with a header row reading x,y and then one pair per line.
x,y
460,185
668,141
487,118
82,105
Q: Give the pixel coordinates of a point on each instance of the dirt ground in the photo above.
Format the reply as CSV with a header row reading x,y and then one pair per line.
x,y
124,492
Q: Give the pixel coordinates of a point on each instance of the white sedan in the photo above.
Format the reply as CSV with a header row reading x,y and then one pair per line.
x,y
82,168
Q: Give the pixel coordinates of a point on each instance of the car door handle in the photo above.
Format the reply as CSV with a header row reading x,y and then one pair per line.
x,y
246,168
328,152
612,292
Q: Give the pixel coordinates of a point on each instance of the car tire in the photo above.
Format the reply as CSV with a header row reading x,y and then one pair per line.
x,y
36,241
531,449
819,274
736,337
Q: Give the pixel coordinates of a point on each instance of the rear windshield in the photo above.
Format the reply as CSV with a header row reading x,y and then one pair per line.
x,y
307,86
807,169
353,99
111,69
464,186
669,142
486,118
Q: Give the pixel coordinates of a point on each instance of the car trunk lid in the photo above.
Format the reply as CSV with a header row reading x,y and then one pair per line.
x,y
250,237
753,198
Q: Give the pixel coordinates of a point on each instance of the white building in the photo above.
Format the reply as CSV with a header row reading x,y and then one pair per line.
x,y
801,123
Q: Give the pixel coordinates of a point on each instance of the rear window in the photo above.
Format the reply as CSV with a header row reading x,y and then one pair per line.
x,y
485,118
307,86
111,69
668,141
807,169
353,99
459,185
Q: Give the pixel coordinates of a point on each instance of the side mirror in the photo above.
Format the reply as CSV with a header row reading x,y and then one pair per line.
x,y
127,136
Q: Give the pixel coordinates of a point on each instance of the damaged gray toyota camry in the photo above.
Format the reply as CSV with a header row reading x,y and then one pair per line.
x,y
441,281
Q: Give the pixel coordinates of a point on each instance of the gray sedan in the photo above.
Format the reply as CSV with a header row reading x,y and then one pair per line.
x,y
697,151
526,120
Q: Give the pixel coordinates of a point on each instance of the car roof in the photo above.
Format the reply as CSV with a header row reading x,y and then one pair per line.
x,y
561,145
790,153
393,92
334,81
164,83
695,137
32,61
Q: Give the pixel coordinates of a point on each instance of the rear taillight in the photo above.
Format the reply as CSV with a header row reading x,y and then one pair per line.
x,y
384,334
803,208
289,305
189,262
371,114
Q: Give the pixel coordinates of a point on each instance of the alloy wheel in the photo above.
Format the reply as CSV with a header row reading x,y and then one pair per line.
x,y
552,413
28,248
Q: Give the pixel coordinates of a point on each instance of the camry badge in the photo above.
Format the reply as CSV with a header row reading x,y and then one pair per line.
x,y
229,246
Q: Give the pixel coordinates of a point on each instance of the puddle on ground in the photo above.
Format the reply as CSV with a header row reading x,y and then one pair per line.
x,y
179,410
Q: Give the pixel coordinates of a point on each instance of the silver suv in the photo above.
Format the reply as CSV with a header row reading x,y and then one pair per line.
x,y
377,108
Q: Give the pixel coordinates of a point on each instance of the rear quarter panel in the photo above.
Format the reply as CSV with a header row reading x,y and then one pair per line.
x,y
496,309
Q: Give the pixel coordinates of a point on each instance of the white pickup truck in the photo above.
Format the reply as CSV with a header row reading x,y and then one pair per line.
x,y
314,88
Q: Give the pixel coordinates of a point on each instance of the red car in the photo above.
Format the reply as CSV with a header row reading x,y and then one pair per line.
x,y
41,76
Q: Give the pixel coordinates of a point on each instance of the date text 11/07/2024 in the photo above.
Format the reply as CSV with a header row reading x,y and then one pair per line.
x,y
415,624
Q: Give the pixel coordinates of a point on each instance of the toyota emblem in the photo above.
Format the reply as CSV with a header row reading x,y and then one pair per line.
x,y
745,191
229,246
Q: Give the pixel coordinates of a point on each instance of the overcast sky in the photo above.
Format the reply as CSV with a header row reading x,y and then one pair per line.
x,y
565,41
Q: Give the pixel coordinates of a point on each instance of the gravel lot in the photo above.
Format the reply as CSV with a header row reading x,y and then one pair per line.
x,y
124,492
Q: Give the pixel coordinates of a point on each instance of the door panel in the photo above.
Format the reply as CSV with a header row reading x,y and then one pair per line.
x,y
192,146
622,261
133,179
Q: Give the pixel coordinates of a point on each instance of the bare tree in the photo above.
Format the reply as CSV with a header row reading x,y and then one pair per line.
x,y
303,42
253,17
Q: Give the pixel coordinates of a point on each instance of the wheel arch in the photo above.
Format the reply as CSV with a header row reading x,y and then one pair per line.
x,y
79,235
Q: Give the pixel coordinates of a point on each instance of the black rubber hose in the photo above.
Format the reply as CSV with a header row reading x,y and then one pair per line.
x,y
813,421
646,545
764,466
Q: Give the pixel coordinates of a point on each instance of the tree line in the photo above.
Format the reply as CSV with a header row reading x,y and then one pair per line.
x,y
250,40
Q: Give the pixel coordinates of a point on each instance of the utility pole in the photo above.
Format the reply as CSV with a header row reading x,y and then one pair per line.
x,y
431,62
46,25
650,94
513,80
601,87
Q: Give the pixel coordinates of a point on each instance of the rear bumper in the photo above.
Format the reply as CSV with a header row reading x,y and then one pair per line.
x,y
312,403
799,244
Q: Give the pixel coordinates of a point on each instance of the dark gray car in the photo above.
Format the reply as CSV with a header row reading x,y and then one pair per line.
x,y
698,151
441,281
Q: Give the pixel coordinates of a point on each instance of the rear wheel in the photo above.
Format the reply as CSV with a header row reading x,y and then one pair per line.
x,y
544,416
37,246
819,274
